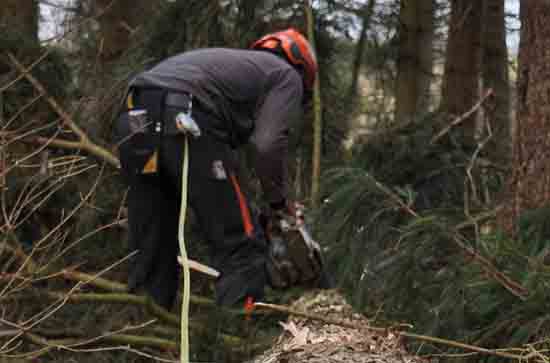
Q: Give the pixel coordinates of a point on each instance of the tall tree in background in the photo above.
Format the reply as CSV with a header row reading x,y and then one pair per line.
x,y
463,65
367,12
244,28
20,16
530,183
495,76
119,22
415,58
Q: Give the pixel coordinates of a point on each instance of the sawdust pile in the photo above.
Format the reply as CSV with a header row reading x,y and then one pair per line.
x,y
313,341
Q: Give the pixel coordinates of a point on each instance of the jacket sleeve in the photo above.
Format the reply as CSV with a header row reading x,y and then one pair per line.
x,y
280,108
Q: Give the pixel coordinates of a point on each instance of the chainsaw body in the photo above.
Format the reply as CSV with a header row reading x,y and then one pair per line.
x,y
294,256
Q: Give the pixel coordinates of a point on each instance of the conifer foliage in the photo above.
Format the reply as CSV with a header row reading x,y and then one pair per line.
x,y
426,213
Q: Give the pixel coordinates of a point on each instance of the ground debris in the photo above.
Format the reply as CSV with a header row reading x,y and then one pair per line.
x,y
306,340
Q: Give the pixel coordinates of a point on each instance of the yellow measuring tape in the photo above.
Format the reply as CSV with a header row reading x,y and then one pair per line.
x,y
184,343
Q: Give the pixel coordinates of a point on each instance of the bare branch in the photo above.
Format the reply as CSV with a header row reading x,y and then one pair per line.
x,y
84,141
461,118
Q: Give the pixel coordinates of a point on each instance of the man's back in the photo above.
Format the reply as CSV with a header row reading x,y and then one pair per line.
x,y
230,83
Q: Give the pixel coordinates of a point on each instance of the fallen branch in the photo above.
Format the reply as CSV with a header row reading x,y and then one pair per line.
x,y
513,287
142,341
79,345
425,338
115,286
125,299
129,341
84,141
121,298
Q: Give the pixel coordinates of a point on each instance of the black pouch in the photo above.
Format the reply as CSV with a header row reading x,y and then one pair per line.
x,y
138,143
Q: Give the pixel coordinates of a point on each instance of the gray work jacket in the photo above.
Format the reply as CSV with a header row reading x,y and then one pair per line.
x,y
253,95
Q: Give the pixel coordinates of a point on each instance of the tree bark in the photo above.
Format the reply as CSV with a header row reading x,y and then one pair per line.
x,y
495,76
463,66
529,185
20,16
415,59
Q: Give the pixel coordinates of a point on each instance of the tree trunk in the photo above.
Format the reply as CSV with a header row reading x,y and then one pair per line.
x,y
360,49
21,16
415,60
462,67
495,76
529,186
317,122
118,24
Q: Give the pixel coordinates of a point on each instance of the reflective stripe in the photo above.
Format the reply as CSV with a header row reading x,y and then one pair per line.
x,y
245,213
152,165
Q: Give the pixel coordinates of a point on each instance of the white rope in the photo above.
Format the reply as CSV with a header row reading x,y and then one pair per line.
x,y
184,344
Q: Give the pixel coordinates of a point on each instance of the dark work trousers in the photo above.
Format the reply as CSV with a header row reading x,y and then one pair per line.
x,y
236,245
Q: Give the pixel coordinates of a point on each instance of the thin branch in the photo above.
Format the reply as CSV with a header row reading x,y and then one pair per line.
x,y
474,158
21,76
35,320
478,218
21,111
461,118
56,228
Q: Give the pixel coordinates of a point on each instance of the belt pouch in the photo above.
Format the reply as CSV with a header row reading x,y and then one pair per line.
x,y
140,132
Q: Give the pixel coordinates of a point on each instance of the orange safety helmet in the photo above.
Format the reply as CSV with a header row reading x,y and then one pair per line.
x,y
296,49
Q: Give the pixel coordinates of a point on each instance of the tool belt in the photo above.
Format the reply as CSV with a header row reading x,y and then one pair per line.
x,y
162,107
149,114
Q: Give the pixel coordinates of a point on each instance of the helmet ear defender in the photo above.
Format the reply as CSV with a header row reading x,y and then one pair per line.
x,y
295,48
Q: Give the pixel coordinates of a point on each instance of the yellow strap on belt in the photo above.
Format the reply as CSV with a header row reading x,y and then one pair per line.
x,y
184,344
130,101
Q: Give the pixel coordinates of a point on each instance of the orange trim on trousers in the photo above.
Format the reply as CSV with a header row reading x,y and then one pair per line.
x,y
245,212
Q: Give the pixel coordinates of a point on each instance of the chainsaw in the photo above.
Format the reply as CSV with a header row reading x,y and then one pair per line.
x,y
294,255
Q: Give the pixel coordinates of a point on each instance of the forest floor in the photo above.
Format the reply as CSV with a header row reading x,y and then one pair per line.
x,y
333,334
